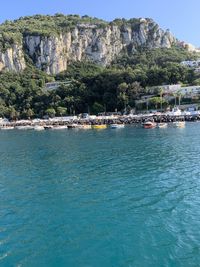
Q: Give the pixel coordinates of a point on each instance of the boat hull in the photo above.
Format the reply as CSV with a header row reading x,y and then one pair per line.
x,y
39,128
7,128
84,127
24,127
99,127
179,124
149,125
60,127
162,125
117,126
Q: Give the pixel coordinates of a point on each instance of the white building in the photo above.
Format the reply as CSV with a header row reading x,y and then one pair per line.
x,y
172,88
176,88
189,90
166,89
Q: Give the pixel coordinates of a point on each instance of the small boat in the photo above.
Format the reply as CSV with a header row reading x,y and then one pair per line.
x,y
117,126
60,127
149,125
39,128
162,125
48,127
99,126
72,126
24,127
179,124
84,127
7,128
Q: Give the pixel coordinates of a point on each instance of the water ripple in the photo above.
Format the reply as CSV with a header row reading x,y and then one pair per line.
x,y
100,198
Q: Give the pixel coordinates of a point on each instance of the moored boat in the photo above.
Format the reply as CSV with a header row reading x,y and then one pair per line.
x,y
179,124
162,125
24,127
39,128
117,126
72,126
99,126
149,125
7,128
60,127
48,127
84,126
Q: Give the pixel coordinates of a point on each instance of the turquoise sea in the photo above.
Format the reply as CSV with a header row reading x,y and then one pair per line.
x,y
109,198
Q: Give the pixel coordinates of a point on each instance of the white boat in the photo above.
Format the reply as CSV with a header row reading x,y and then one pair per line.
x,y
162,125
39,128
60,127
117,126
179,124
7,128
84,126
24,127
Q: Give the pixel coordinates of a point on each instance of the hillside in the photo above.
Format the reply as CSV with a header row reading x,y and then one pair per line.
x,y
108,64
52,42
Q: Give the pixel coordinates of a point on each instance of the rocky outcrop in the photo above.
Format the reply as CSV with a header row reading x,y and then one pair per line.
x,y
47,53
12,58
100,44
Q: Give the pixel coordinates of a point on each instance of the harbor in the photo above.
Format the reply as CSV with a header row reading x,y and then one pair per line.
x,y
95,122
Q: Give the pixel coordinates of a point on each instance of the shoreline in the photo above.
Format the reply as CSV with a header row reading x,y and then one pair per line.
x,y
126,120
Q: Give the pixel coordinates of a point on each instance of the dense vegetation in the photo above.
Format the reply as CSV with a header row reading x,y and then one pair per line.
x,y
12,31
48,25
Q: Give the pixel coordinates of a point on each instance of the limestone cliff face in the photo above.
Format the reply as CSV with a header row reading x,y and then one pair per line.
x,y
12,58
47,53
85,41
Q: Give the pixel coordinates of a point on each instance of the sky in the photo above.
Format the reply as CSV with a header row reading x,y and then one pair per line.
x,y
180,16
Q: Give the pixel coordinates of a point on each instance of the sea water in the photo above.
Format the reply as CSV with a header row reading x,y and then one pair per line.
x,y
108,198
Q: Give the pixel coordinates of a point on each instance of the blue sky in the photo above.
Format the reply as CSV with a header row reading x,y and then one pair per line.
x,y
180,16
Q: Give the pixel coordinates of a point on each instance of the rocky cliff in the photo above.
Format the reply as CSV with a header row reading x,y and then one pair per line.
x,y
84,41
12,58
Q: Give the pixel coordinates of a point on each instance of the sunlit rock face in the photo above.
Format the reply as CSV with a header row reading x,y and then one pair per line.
x,y
12,58
85,42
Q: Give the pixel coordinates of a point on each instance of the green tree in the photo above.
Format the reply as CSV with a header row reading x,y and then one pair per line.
x,y
122,94
60,111
51,112
97,108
